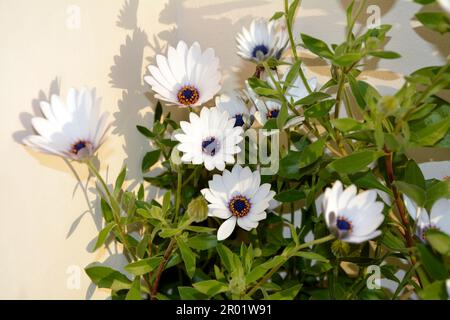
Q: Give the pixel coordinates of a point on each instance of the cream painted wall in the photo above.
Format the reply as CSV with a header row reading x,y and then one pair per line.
x,y
46,230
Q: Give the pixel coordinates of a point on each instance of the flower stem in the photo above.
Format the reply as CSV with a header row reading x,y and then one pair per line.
x,y
161,267
178,194
114,206
293,46
287,256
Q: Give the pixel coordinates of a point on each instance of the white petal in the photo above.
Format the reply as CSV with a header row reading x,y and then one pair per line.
x,y
226,229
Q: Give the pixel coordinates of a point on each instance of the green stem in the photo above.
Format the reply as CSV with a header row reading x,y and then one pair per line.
x,y
114,206
178,195
293,46
287,256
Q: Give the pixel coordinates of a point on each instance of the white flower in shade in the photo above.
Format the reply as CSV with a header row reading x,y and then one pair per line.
x,y
238,197
352,217
236,108
265,39
186,77
210,138
445,4
438,219
74,129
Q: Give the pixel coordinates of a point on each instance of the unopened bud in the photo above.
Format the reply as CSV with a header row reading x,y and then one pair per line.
x,y
388,105
198,209
340,248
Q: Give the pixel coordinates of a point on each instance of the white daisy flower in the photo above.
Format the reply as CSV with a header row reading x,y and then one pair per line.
x,y
445,4
188,77
238,197
352,217
264,40
236,108
210,138
438,219
73,130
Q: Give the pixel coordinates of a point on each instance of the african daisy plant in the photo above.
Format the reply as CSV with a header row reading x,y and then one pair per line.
x,y
284,188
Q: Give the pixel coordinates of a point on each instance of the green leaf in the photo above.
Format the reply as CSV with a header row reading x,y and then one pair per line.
x,y
320,109
106,210
145,132
290,165
317,46
143,266
433,266
210,287
385,54
412,191
292,10
439,241
106,277
290,196
437,191
424,2
355,162
188,293
282,116
311,256
288,294
135,291
430,135
312,98
367,180
346,124
277,15
437,21
413,174
227,257
103,234
347,59
434,291
262,269
202,241
120,180
200,229
271,124
166,202
188,257
292,74
150,159
364,93
158,112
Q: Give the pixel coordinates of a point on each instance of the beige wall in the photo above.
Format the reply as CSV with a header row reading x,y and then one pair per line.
x,y
46,229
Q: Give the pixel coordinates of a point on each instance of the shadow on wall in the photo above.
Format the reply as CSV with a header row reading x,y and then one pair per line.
x,y
193,21
440,42
25,119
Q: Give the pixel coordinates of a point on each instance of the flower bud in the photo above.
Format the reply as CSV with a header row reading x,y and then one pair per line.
x,y
388,105
237,284
198,209
340,248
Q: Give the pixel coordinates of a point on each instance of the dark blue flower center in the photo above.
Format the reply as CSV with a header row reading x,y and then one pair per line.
x,y
76,147
239,120
188,95
343,225
272,114
210,146
239,206
261,49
